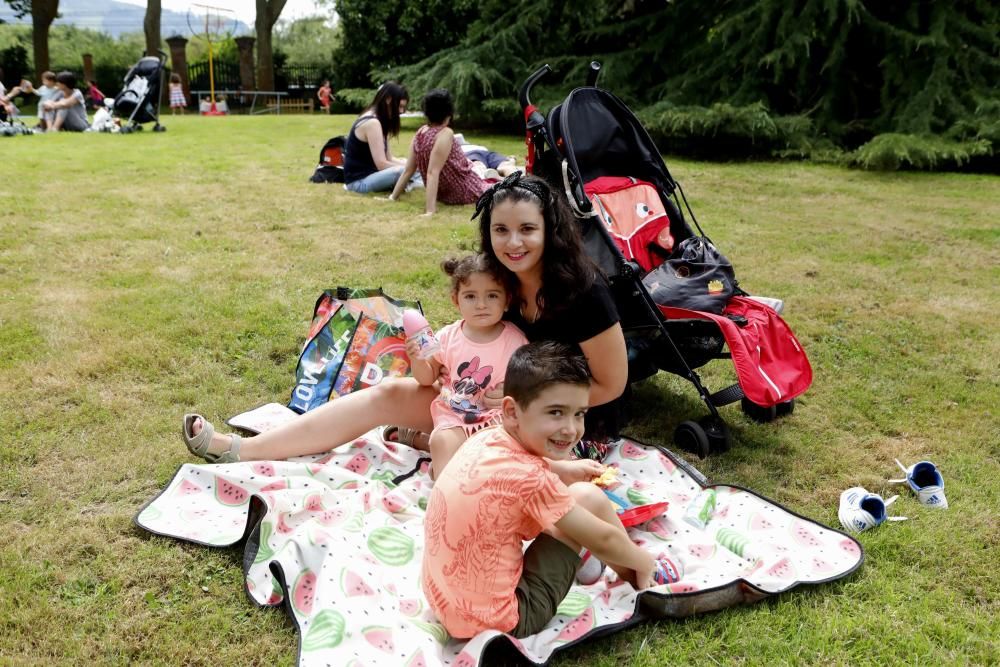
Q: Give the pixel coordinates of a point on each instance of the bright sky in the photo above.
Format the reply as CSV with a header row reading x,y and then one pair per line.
x,y
245,9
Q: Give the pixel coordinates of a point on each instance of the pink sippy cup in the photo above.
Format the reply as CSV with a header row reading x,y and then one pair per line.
x,y
415,326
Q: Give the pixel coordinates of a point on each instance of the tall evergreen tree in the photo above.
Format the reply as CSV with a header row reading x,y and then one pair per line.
x,y
379,35
766,70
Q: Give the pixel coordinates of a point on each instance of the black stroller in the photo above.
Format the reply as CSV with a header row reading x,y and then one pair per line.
x,y
593,134
139,100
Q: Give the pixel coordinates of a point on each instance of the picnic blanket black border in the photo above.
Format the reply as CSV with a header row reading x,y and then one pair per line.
x,y
735,589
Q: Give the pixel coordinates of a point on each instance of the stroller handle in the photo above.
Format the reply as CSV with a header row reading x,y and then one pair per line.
x,y
524,96
593,71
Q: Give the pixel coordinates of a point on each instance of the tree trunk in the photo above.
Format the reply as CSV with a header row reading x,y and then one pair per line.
x,y
268,12
151,26
43,13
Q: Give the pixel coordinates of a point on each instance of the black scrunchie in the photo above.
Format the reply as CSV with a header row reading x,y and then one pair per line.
x,y
513,181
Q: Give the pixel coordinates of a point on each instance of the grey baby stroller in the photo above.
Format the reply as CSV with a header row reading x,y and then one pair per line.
x,y
139,100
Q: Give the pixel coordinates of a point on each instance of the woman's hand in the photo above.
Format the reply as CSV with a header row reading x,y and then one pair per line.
x,y
493,399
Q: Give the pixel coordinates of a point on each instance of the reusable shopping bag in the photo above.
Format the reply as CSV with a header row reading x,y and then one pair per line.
x,y
355,341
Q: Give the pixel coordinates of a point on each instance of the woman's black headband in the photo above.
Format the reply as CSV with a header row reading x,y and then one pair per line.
x,y
515,180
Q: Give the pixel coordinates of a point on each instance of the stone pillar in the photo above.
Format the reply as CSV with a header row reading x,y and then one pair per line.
x,y
245,45
88,68
178,63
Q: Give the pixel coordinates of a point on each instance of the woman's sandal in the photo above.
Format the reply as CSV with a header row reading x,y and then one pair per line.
x,y
198,444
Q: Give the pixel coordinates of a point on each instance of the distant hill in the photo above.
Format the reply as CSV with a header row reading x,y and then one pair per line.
x,y
114,18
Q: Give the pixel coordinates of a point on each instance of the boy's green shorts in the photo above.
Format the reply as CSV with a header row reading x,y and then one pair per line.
x,y
548,572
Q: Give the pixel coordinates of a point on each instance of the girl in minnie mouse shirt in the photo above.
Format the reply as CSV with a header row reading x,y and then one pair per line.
x,y
472,360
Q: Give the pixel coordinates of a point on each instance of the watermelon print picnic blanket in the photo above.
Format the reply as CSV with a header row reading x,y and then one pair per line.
x,y
337,539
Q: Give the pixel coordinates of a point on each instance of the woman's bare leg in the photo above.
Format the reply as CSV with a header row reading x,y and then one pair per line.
x,y
400,401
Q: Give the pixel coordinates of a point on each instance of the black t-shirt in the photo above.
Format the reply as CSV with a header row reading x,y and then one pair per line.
x,y
589,314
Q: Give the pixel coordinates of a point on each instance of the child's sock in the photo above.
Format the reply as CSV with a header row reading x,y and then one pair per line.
x,y
668,570
590,570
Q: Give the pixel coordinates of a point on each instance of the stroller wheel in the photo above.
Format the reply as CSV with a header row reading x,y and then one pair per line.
x,y
691,437
758,413
719,438
786,408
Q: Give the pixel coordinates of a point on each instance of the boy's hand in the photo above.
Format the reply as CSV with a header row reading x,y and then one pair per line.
x,y
582,470
644,575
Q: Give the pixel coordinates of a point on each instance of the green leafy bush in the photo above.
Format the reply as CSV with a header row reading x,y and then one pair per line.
x,y
356,99
723,129
892,151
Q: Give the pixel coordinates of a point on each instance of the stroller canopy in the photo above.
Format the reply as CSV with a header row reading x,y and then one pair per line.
x,y
600,136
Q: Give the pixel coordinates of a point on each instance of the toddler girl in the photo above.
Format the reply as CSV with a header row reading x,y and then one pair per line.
x,y
177,99
474,354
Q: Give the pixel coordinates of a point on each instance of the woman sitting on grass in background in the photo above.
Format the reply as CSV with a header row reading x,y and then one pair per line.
x,y
474,353
68,111
368,163
528,235
449,176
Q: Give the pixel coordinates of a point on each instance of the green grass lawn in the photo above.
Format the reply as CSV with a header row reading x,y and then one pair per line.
x,y
145,276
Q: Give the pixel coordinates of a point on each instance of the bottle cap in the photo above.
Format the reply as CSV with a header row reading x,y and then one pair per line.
x,y
413,321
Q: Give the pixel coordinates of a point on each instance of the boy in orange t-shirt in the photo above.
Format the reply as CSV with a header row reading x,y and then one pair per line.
x,y
511,483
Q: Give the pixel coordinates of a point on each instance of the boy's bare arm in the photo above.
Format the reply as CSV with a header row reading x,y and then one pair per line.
x,y
609,543
580,470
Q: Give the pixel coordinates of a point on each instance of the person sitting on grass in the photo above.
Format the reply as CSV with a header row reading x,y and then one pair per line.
x,y
68,111
368,163
45,92
8,111
511,483
448,175
94,96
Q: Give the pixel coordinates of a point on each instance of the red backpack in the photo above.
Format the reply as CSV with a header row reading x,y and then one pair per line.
x,y
331,162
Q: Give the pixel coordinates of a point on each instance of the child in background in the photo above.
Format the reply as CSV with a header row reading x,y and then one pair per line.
x,y
47,92
94,95
474,353
325,94
177,99
511,483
